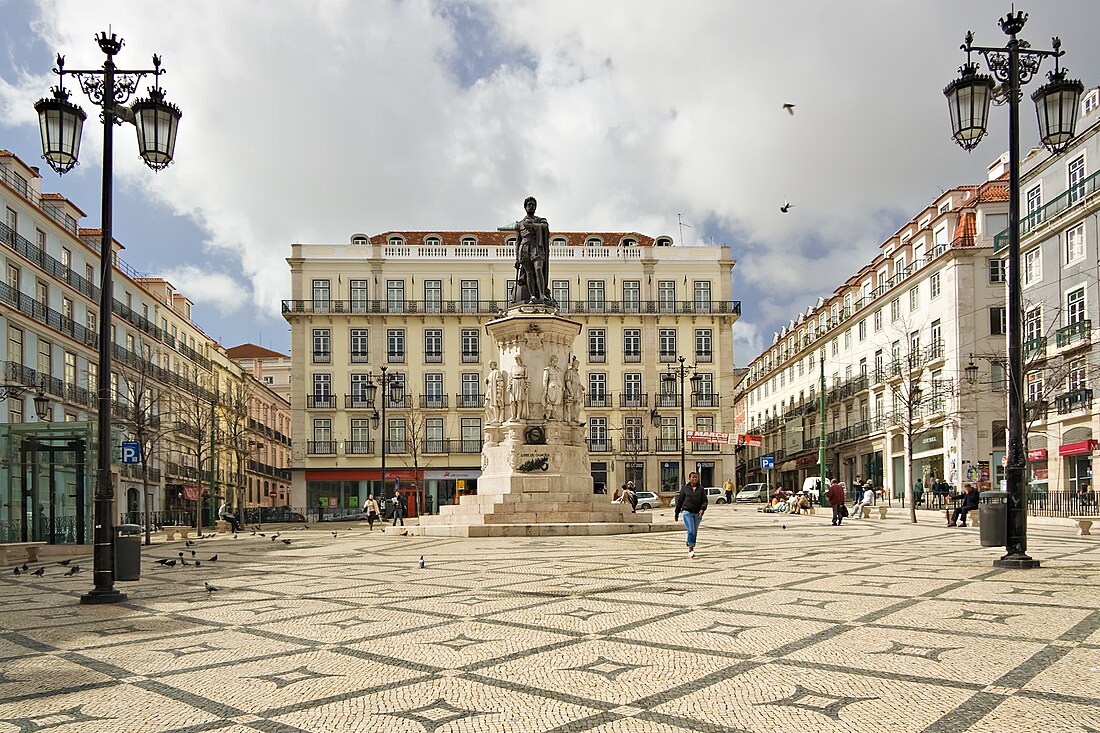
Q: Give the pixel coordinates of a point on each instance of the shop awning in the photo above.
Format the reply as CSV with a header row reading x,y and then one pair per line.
x,y
1081,447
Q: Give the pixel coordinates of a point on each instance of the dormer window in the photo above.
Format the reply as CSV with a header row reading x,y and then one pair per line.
x,y
510,241
433,241
593,242
396,241
469,241
664,242
630,242
360,239
558,242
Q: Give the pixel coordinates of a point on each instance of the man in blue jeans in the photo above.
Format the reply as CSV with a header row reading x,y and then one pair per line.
x,y
692,502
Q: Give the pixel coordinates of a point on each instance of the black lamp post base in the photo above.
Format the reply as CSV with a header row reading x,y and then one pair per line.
x,y
98,597
1016,562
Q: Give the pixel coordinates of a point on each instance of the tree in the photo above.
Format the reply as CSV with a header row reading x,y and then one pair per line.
x,y
197,421
142,418
416,454
634,415
235,433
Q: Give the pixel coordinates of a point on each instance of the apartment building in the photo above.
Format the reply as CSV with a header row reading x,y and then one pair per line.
x,y
415,303
1060,267
270,367
168,381
892,348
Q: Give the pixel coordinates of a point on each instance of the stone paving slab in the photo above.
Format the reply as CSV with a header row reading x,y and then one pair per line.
x,y
781,624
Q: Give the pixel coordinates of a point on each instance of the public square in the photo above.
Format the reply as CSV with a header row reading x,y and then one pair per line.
x,y
875,625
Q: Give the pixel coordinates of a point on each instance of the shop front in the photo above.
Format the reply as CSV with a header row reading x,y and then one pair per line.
x,y
343,492
444,486
1076,460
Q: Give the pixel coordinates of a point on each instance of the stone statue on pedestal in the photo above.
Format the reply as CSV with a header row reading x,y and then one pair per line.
x,y
532,257
518,391
574,393
494,395
553,389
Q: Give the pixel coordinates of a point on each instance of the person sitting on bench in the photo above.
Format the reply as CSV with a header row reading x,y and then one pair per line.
x,y
225,515
969,503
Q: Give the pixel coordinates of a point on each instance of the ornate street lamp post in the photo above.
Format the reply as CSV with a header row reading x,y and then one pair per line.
x,y
391,390
670,376
968,98
60,123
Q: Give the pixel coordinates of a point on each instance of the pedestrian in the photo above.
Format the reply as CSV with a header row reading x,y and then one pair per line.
x,y
728,488
836,498
398,510
692,502
867,500
969,503
227,516
632,496
372,512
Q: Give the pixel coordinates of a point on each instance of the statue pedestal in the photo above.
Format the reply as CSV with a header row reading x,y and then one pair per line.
x,y
536,477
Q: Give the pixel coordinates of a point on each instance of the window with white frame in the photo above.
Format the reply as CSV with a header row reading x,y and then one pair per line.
x,y
322,430
469,296
360,384
1075,179
560,290
914,299
597,345
998,320
395,345
632,345
433,296
847,339
471,345
395,435
1033,324
1075,306
395,296
934,285
322,384
703,345
1075,243
470,433
632,296
597,433
597,389
666,339
359,341
632,389
471,389
863,329
1034,385
996,269
321,296
997,376
322,346
702,296
666,296
358,294
1033,266
433,345
895,310
1075,375
1034,200
596,295
877,318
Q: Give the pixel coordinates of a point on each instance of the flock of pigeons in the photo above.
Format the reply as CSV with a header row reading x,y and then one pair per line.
x,y
181,557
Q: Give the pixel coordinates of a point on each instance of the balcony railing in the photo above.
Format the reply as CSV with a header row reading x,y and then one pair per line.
x,y
493,307
471,357
469,400
705,447
358,447
630,446
633,399
452,445
433,401
703,357
597,357
665,399
321,401
433,357
600,400
934,351
322,357
1051,210
632,357
668,445
357,402
599,445
321,447
704,399
1035,347
1073,333
1078,399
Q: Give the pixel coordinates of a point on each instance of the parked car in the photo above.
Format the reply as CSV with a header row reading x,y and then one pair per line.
x,y
648,500
716,494
812,487
754,492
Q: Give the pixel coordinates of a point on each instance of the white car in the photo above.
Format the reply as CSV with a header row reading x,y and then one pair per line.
x,y
716,494
647,500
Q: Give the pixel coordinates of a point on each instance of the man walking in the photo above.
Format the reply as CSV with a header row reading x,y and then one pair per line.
x,y
398,510
728,488
836,501
692,502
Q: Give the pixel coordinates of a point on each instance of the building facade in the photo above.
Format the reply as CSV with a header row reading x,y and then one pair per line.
x,y
892,349
415,304
1060,268
270,367
168,380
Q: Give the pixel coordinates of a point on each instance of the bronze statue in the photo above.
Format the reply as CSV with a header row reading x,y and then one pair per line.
x,y
532,257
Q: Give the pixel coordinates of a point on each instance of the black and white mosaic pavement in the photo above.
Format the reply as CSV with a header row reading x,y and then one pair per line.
x,y
880,625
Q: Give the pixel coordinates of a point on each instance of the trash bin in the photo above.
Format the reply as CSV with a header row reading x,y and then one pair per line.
x,y
128,552
994,514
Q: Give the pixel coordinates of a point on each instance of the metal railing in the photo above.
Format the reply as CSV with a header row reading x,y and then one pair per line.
x,y
493,307
1050,211
1073,333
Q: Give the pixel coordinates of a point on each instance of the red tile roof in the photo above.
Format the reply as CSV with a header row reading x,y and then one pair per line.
x,y
253,351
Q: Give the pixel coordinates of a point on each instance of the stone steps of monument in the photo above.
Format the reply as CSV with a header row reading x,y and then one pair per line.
x,y
529,498
542,530
513,516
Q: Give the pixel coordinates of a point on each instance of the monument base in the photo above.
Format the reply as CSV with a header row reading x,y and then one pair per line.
x,y
580,529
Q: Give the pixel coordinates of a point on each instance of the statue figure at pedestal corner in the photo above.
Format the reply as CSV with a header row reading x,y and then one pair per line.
x,y
532,257
494,395
574,393
554,390
518,390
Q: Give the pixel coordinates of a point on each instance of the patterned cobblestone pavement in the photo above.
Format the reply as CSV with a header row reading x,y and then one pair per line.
x,y
781,623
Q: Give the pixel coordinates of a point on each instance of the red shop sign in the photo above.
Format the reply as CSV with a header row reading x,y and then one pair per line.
x,y
1076,449
1039,454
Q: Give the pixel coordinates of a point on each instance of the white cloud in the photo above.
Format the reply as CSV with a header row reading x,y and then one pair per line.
x,y
307,121
203,286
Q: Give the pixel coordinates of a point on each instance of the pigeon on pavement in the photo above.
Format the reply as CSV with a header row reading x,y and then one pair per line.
x,y
73,570
209,588
421,563
286,542
40,572
66,561
214,559
17,571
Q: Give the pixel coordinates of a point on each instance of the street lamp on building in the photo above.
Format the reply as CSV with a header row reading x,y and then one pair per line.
x,y
391,390
671,375
42,405
60,123
968,98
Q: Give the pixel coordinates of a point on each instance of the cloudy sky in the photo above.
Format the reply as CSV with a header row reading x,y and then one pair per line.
x,y
308,121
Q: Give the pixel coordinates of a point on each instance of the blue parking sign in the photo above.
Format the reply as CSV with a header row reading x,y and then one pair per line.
x,y
131,451
767,463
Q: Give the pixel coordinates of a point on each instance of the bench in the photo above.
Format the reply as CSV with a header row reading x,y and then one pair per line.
x,y
880,509
170,531
221,525
21,551
1084,524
